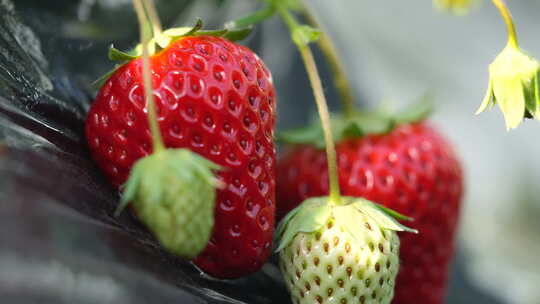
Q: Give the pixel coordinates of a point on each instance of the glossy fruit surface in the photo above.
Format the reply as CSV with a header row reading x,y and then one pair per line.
x,y
217,99
412,170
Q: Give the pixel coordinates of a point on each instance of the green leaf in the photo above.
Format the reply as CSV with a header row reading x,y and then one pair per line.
x,y
117,55
311,216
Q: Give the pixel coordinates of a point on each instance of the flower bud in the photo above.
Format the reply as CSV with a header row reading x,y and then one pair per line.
x,y
513,85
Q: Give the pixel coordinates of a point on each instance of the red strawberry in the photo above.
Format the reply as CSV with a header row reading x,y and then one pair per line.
x,y
217,99
410,169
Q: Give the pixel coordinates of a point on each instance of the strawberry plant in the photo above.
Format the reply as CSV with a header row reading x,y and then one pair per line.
x,y
184,127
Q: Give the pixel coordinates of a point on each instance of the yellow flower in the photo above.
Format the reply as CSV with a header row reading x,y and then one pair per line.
x,y
513,79
458,7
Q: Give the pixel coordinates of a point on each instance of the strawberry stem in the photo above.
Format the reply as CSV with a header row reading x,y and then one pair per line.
x,y
144,17
336,65
153,16
250,20
318,92
507,17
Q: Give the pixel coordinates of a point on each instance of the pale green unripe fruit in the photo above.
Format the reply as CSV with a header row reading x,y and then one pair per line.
x,y
173,194
332,267
346,253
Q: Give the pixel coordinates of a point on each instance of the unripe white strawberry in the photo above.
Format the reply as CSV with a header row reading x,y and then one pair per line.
x,y
340,253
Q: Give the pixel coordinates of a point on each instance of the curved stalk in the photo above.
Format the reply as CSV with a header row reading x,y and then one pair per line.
x,y
143,17
341,81
507,17
318,92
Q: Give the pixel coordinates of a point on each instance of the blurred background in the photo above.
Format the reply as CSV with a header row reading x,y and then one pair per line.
x,y
58,242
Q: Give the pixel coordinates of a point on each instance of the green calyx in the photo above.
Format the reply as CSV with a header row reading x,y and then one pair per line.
x,y
313,214
457,7
513,85
173,193
161,40
358,125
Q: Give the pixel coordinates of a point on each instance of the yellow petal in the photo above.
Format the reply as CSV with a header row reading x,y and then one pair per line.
x,y
488,101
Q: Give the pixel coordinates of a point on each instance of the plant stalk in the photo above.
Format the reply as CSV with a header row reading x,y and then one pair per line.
x,y
507,17
144,18
255,18
318,92
341,81
152,14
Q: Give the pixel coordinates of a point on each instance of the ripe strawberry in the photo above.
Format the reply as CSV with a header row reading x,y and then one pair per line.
x,y
339,253
217,99
409,168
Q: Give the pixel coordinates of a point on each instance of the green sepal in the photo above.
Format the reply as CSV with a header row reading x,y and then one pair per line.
x,y
310,216
98,83
238,34
358,125
364,124
314,213
117,55
393,213
513,85
384,219
305,135
164,39
173,192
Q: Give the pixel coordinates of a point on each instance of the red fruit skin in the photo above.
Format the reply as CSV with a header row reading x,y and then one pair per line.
x,y
217,99
412,170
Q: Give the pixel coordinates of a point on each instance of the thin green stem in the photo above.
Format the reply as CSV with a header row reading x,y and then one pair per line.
x,y
252,19
341,81
318,92
152,14
157,141
507,17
